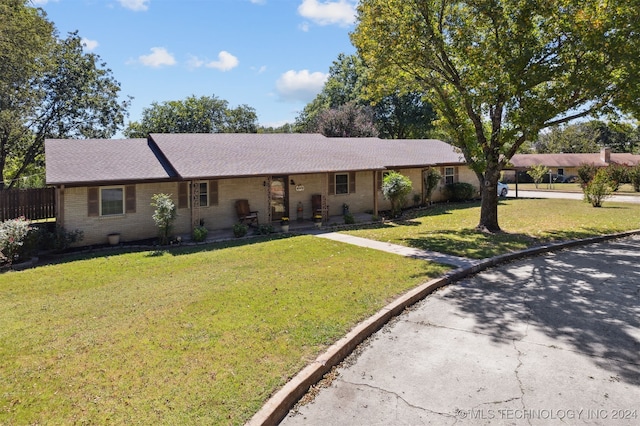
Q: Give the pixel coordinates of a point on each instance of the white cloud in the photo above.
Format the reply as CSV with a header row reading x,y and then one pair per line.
x,y
340,12
304,26
226,61
300,85
41,2
259,70
89,44
258,1
136,5
158,57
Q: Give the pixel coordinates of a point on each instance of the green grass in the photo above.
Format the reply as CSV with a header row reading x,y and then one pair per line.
x,y
188,336
450,228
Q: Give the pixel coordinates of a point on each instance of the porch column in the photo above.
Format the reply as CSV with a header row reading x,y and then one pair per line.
x,y
195,204
60,205
375,192
325,195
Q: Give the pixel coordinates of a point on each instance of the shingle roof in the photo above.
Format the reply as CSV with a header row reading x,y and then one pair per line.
x,y
188,156
225,154
571,160
101,160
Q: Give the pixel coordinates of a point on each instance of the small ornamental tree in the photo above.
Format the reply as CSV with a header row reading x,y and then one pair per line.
x,y
12,235
396,187
538,173
598,189
431,180
618,174
164,215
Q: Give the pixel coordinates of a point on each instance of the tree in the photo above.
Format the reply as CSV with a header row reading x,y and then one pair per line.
x,y
346,121
49,88
538,173
206,114
396,187
497,71
396,115
589,136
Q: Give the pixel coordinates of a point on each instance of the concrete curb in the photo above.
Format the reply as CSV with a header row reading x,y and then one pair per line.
x,y
279,405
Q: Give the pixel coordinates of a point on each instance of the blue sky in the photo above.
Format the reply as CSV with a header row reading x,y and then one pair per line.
x,y
273,55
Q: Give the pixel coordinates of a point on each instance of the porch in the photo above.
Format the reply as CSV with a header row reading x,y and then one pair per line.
x,y
303,227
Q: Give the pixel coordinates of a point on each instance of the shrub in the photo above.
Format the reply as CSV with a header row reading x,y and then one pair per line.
x,y
12,235
164,215
264,229
199,233
240,230
396,187
58,239
586,172
460,191
349,219
634,177
598,189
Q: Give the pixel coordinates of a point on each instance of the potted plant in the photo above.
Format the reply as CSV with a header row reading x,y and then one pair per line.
x,y
284,224
317,219
114,238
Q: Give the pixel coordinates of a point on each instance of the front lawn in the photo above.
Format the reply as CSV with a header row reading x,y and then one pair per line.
x,y
189,336
450,228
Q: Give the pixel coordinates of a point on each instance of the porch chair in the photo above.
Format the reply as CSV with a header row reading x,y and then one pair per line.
x,y
245,215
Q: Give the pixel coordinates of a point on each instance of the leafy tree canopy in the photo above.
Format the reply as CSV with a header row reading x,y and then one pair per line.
x,y
49,88
588,137
206,114
396,115
497,71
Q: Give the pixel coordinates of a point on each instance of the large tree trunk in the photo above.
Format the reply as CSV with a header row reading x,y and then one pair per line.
x,y
489,204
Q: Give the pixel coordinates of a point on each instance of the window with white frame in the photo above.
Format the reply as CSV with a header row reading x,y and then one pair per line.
x,y
204,194
342,183
111,201
449,175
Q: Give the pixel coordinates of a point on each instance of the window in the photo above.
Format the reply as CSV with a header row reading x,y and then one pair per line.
x,y
342,183
560,172
449,175
204,194
111,201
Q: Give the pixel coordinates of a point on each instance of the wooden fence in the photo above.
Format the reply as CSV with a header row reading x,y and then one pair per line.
x,y
33,204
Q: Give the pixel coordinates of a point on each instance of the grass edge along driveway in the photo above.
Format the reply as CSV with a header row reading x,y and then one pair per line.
x,y
450,228
198,335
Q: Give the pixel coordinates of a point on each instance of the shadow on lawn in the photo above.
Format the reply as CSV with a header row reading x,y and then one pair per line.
x,y
585,300
475,244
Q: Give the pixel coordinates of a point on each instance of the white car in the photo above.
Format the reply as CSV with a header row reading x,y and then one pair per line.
x,y
503,189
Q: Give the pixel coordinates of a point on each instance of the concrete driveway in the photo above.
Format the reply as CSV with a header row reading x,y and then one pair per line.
x,y
553,339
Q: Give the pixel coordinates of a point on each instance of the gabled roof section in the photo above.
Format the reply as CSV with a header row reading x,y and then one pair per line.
x,y
220,155
243,154
74,161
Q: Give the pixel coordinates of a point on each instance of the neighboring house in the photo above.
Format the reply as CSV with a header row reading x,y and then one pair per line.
x,y
567,164
105,186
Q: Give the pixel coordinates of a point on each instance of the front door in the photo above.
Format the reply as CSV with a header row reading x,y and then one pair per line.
x,y
279,197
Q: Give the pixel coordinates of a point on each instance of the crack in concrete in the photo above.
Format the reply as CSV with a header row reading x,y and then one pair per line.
x,y
398,397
